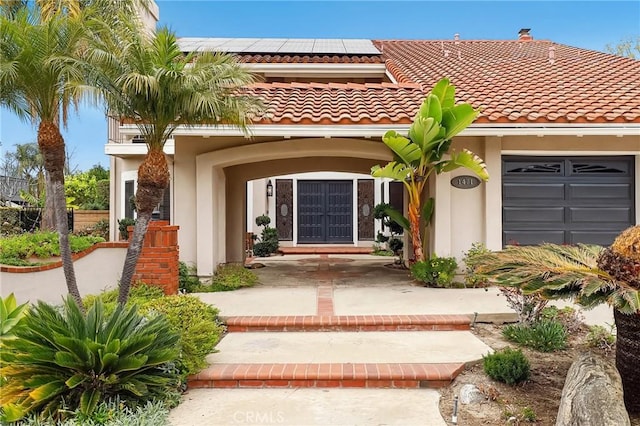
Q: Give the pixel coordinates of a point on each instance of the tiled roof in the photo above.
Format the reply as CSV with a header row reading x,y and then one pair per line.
x,y
336,103
510,81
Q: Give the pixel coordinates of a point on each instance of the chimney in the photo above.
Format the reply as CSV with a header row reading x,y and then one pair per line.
x,y
523,34
456,37
552,54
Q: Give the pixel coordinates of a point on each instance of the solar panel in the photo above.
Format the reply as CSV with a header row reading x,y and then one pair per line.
x,y
280,45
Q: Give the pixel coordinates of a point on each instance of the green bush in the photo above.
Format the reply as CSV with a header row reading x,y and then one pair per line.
x,y
98,229
139,294
197,324
268,243
62,361
10,221
41,245
508,366
436,271
600,338
543,335
123,224
472,260
188,282
232,276
111,413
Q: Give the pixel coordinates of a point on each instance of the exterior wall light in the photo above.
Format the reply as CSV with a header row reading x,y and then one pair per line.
x,y
269,188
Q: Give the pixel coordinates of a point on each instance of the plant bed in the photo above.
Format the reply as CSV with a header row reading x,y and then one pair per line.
x,y
38,248
538,398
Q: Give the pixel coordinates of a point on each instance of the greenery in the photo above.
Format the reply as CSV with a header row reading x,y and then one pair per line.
x,y
197,324
544,335
11,314
268,243
471,259
601,338
436,271
110,413
571,318
62,361
98,229
508,366
629,47
228,277
123,224
140,294
18,248
10,221
422,153
188,282
88,190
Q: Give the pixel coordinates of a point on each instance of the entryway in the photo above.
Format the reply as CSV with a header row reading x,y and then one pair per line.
x,y
325,211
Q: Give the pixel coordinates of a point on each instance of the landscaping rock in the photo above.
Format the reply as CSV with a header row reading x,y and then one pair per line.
x,y
592,395
470,394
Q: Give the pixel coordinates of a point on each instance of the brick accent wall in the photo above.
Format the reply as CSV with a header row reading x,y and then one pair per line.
x,y
158,262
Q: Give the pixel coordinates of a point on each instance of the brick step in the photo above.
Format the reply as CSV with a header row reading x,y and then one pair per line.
x,y
349,323
335,375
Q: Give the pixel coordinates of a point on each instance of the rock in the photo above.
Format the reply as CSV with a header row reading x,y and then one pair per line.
x,y
470,394
592,395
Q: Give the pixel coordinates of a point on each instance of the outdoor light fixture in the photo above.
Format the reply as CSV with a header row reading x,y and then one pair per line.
x,y
269,188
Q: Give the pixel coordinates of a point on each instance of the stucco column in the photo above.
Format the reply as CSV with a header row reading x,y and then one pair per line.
x,y
210,216
236,207
493,193
441,225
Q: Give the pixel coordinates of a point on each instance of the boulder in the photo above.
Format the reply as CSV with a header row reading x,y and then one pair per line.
x,y
470,394
592,394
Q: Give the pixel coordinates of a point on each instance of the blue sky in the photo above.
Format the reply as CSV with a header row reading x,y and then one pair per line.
x,y
586,24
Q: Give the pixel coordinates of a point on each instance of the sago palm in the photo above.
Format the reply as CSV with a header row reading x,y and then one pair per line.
x,y
591,275
423,153
40,79
148,79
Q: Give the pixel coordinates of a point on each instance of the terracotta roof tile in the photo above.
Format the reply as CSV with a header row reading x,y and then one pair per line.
x,y
510,81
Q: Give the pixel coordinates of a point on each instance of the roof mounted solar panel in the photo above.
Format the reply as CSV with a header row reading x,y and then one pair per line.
x,y
280,45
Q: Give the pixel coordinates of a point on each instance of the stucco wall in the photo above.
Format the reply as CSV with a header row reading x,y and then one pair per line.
x,y
95,272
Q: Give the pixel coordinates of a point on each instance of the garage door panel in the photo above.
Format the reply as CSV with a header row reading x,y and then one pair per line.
x,y
594,191
600,215
598,237
532,237
586,200
516,191
527,214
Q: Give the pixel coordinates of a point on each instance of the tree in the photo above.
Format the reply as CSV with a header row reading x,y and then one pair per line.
x,y
423,152
40,78
629,47
89,190
591,275
148,79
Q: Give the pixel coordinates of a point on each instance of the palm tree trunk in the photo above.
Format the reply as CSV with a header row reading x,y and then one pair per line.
x,y
51,146
416,239
48,214
628,357
153,178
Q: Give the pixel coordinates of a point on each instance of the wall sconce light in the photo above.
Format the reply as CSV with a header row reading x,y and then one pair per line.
x,y
269,188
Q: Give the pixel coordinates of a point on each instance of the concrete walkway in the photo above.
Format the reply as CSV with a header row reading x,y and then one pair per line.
x,y
318,326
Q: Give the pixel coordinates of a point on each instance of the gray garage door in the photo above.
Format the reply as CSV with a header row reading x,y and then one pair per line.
x,y
566,200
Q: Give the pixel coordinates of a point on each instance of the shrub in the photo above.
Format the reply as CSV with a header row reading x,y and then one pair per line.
x,y
111,413
197,324
98,229
268,238
62,360
528,306
11,314
571,318
139,294
232,276
41,245
123,224
436,271
601,338
472,260
508,366
188,282
543,336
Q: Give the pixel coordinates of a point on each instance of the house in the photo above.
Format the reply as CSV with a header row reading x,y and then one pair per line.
x,y
559,131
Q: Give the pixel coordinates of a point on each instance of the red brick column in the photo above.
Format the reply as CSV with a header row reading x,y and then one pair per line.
x,y
158,262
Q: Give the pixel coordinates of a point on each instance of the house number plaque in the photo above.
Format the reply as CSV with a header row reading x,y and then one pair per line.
x,y
465,182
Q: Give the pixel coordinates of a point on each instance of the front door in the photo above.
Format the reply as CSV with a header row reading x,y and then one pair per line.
x,y
325,210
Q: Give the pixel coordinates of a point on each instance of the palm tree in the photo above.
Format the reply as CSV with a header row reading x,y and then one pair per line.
x,y
591,275
40,78
422,153
148,79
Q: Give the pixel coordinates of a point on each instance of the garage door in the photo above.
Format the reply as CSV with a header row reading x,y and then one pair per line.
x,y
566,200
